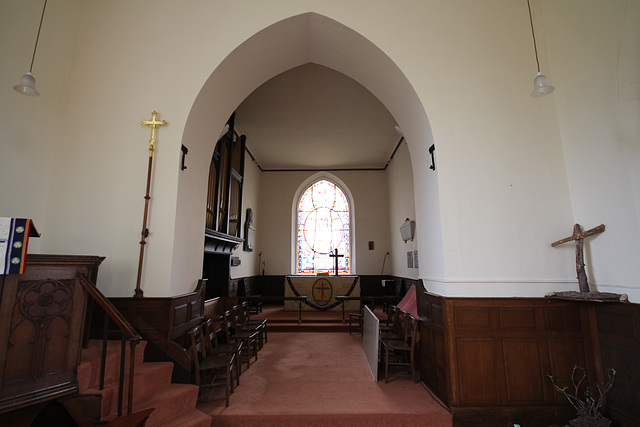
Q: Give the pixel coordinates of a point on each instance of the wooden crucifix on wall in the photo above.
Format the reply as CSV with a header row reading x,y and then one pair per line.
x,y
579,235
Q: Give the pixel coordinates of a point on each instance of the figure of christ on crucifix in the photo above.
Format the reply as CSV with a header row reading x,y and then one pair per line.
x,y
335,257
579,235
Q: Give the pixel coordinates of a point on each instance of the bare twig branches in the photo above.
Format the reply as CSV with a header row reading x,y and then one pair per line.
x,y
589,404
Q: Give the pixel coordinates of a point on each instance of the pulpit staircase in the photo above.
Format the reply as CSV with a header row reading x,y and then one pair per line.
x,y
172,404
53,373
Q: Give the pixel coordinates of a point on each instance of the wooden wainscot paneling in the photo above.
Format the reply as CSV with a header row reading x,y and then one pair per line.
x,y
472,318
524,373
487,358
434,360
562,318
517,318
619,335
477,374
272,286
564,354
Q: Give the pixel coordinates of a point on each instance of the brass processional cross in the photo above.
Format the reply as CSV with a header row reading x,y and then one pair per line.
x,y
153,123
579,235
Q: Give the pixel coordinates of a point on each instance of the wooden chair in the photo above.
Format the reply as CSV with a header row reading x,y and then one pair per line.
x,y
249,324
393,289
249,339
392,330
215,348
226,323
355,322
255,304
241,311
208,368
401,352
356,318
393,325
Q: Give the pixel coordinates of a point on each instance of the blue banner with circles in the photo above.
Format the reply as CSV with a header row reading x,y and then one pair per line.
x,y
14,240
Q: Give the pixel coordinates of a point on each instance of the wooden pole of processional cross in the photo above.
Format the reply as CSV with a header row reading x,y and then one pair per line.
x,y
153,123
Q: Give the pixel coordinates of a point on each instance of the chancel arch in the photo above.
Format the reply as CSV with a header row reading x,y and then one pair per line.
x,y
286,44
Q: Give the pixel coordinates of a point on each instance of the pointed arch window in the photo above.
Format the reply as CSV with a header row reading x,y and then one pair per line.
x,y
323,226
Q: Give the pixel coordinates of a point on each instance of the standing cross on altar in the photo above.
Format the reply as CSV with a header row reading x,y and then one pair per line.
x,y
335,257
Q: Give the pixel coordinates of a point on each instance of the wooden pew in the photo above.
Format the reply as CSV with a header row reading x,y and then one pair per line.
x,y
164,323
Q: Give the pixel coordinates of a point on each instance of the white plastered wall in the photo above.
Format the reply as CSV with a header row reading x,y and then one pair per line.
x,y
595,57
279,191
30,127
250,191
401,207
487,216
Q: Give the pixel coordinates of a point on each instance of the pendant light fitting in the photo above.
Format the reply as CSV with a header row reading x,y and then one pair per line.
x,y
541,86
27,84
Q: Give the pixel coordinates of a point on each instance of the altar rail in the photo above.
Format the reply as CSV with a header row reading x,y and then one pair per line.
x,y
273,285
300,300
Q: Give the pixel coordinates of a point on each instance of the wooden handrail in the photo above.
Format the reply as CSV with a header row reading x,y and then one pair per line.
x,y
106,305
129,333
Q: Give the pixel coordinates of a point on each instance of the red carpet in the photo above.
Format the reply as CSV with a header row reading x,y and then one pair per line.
x,y
174,404
322,379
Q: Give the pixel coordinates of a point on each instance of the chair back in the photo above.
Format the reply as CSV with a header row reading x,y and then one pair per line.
x,y
411,331
197,350
229,323
245,312
211,338
238,315
392,317
400,321
247,288
405,322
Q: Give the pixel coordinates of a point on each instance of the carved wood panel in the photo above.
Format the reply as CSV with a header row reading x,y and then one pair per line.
x,y
41,326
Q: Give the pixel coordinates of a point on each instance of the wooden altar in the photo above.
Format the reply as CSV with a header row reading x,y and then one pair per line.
x,y
321,292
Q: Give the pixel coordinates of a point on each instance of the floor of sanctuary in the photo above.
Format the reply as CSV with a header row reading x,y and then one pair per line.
x,y
323,379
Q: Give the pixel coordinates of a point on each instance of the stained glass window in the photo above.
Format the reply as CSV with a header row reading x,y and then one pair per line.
x,y
323,226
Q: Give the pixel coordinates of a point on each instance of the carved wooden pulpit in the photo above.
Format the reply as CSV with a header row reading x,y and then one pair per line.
x,y
42,314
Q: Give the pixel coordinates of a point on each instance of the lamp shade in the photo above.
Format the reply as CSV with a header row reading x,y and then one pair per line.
x,y
541,86
27,85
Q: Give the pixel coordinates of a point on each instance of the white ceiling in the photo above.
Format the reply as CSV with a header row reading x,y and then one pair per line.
x,y
312,117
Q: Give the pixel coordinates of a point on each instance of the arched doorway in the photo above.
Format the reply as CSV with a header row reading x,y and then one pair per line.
x,y
298,40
